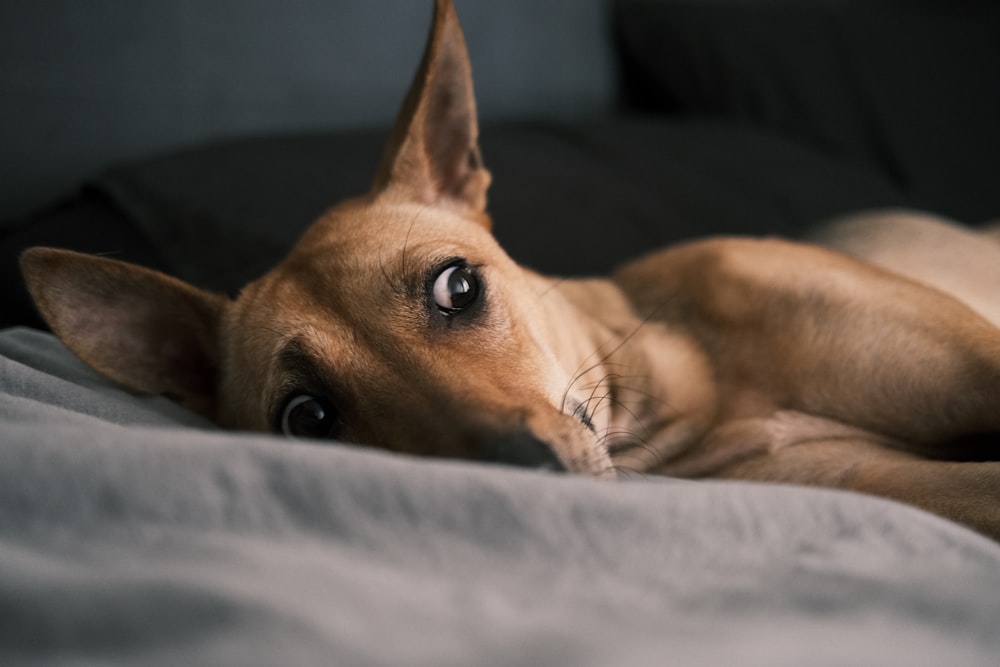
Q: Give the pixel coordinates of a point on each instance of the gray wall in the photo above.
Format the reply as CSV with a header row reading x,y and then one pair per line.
x,y
86,83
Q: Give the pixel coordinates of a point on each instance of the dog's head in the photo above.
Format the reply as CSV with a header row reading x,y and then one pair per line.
x,y
396,321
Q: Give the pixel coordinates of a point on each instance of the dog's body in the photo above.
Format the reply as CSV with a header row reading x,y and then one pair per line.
x,y
398,321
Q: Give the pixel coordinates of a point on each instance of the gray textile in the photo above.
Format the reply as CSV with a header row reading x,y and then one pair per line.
x,y
132,533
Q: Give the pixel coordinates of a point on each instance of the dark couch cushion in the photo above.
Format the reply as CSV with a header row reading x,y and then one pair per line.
x,y
566,199
912,86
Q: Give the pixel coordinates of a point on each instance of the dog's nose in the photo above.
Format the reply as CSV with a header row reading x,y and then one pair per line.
x,y
523,450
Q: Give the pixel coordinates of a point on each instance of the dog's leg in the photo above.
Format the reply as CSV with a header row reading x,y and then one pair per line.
x,y
992,231
961,261
796,327
965,492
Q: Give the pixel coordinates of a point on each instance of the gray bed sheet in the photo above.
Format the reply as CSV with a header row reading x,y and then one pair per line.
x,y
133,533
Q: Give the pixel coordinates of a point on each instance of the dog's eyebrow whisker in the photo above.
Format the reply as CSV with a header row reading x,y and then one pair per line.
x,y
406,239
396,286
284,339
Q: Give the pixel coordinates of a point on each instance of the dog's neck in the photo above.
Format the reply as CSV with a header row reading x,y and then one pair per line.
x,y
648,389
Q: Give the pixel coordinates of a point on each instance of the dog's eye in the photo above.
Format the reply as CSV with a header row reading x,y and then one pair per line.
x,y
455,289
306,416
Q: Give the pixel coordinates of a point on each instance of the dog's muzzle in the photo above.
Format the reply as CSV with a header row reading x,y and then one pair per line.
x,y
523,450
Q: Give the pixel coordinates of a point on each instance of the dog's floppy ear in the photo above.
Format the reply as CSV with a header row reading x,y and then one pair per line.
x,y
138,327
433,151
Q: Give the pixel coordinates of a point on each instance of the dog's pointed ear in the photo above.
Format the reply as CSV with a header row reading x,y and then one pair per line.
x,y
433,151
140,328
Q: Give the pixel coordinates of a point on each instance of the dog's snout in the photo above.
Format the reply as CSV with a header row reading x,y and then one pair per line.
x,y
524,450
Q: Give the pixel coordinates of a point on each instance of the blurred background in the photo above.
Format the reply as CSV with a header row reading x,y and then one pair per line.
x,y
200,137
87,84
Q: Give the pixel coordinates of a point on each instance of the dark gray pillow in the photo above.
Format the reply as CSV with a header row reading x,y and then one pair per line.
x,y
912,85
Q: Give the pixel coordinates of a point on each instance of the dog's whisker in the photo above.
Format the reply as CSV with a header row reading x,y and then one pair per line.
x,y
607,397
614,376
396,286
619,387
644,393
761,346
628,470
622,438
556,284
614,401
626,441
624,341
593,392
582,370
406,239
580,374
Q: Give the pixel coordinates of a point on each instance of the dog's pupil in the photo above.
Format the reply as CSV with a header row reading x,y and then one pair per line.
x,y
459,283
309,418
460,287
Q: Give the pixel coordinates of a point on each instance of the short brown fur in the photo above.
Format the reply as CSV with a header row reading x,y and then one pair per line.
x,y
728,358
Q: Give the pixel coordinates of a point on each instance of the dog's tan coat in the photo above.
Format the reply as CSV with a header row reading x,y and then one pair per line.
x,y
730,358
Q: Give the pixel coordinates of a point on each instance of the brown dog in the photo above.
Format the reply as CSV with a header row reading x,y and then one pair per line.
x,y
398,321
